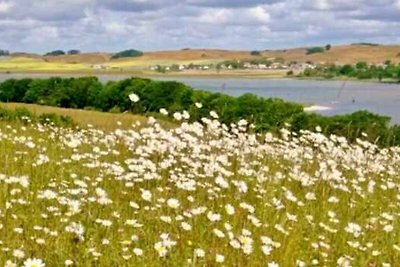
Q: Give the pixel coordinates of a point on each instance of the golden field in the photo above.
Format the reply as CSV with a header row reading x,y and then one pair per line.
x,y
87,62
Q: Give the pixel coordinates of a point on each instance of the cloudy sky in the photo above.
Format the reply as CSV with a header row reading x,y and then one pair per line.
x,y
112,25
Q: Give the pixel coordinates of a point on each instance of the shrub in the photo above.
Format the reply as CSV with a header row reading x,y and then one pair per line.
x,y
23,114
57,120
314,50
265,114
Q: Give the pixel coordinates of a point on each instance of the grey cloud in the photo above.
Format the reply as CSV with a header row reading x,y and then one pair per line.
x,y
230,3
136,5
110,25
49,10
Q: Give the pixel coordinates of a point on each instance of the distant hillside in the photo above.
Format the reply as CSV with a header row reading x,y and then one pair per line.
x,y
88,62
342,54
26,55
89,58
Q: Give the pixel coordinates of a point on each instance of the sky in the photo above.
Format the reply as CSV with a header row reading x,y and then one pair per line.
x,y
113,25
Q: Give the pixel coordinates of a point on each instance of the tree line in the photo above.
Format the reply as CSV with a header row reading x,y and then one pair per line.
x,y
266,114
361,70
121,54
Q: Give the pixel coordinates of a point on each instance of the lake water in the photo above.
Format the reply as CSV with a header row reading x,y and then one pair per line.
x,y
337,97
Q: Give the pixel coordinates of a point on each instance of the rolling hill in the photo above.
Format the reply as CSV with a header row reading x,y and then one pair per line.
x,y
85,62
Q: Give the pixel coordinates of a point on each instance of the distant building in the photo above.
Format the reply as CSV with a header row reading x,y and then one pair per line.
x,y
262,66
100,67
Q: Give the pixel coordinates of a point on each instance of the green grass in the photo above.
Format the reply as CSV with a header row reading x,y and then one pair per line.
x,y
101,120
283,189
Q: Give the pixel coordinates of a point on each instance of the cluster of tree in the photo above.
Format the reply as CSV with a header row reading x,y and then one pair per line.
x,y
255,53
240,64
61,52
235,64
361,70
266,114
366,44
73,52
4,53
256,61
176,67
352,126
318,49
55,53
128,53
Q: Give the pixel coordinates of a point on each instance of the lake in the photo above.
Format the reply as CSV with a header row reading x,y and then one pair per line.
x,y
327,97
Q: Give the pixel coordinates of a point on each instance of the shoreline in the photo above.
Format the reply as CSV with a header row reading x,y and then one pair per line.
x,y
345,79
198,75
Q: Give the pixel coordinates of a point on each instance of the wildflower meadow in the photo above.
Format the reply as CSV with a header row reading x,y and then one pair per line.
x,y
196,194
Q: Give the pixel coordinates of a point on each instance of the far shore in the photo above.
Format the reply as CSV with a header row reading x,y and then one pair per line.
x,y
272,74
212,74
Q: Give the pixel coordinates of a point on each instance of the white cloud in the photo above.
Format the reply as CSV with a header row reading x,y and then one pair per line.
x,y
216,16
321,4
397,4
111,25
260,14
5,7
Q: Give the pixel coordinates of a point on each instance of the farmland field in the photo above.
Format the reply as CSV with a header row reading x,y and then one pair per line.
x,y
198,194
84,63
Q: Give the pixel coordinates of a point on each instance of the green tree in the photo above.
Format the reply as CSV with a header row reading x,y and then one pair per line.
x,y
362,65
398,74
55,53
128,53
328,47
314,50
73,52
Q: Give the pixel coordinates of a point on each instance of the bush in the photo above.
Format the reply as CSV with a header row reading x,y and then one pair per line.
x,y
255,53
23,114
314,50
57,120
266,114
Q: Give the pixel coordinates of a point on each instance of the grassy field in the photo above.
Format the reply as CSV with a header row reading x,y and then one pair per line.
x,y
101,120
22,64
193,195
83,63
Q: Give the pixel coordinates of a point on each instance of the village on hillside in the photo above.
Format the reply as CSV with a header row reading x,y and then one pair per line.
x,y
269,64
